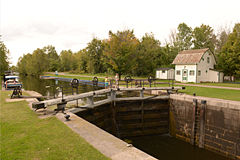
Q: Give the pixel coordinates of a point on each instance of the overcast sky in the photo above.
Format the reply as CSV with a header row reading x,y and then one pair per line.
x,y
70,24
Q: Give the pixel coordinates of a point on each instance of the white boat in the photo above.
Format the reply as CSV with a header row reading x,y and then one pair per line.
x,y
12,82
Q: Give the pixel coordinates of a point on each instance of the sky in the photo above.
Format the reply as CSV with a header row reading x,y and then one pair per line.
x,y
26,25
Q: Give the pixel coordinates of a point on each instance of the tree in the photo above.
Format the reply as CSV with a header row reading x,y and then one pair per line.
x,y
169,54
52,58
149,55
94,59
222,39
5,58
81,57
229,57
22,63
184,37
203,37
120,52
38,62
68,62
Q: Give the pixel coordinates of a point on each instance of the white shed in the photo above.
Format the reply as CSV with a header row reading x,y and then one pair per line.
x,y
165,73
196,66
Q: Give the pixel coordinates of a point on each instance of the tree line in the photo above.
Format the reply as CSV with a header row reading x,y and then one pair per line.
x,y
123,53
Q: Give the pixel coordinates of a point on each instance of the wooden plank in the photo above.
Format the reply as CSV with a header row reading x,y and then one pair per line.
x,y
129,108
139,125
130,117
139,133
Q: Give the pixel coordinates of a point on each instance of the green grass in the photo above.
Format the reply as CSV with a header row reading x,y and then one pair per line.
x,y
25,136
220,84
227,94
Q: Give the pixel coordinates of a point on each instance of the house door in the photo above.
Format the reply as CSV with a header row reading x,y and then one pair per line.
x,y
184,75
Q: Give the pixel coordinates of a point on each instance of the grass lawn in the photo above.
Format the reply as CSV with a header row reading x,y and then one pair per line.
x,y
25,136
227,94
220,84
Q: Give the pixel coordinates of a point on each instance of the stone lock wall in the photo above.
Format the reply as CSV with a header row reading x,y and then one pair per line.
x,y
130,118
209,123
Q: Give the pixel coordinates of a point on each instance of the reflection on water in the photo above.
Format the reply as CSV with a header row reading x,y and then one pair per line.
x,y
39,85
168,148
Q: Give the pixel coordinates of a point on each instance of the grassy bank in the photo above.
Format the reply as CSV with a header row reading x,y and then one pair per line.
x,y
227,94
25,136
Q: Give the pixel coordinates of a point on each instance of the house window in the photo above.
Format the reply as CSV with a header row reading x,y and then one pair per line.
x,y
208,59
191,73
178,72
199,73
163,71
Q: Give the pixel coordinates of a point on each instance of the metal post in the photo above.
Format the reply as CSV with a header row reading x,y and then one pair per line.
x,y
192,139
202,124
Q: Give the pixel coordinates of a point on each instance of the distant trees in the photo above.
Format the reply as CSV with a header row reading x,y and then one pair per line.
x,y
4,58
33,64
124,53
53,59
68,61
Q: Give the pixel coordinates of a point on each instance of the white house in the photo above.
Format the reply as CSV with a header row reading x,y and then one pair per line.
x,y
165,73
196,66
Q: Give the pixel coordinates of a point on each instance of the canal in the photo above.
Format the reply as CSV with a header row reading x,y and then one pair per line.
x,y
159,146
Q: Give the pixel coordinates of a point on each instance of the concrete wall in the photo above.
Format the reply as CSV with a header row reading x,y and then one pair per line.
x,y
220,123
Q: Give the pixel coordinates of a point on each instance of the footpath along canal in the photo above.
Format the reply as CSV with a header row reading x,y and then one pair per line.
x,y
161,146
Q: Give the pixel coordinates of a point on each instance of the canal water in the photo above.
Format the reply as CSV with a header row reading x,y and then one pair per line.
x,y
163,147
166,147
42,86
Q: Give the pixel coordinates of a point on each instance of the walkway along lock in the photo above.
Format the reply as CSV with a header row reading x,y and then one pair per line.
x,y
111,96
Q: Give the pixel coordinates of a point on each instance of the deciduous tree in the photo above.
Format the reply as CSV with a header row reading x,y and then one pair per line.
x,y
149,55
203,37
95,56
120,52
184,37
229,57
5,58
53,60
